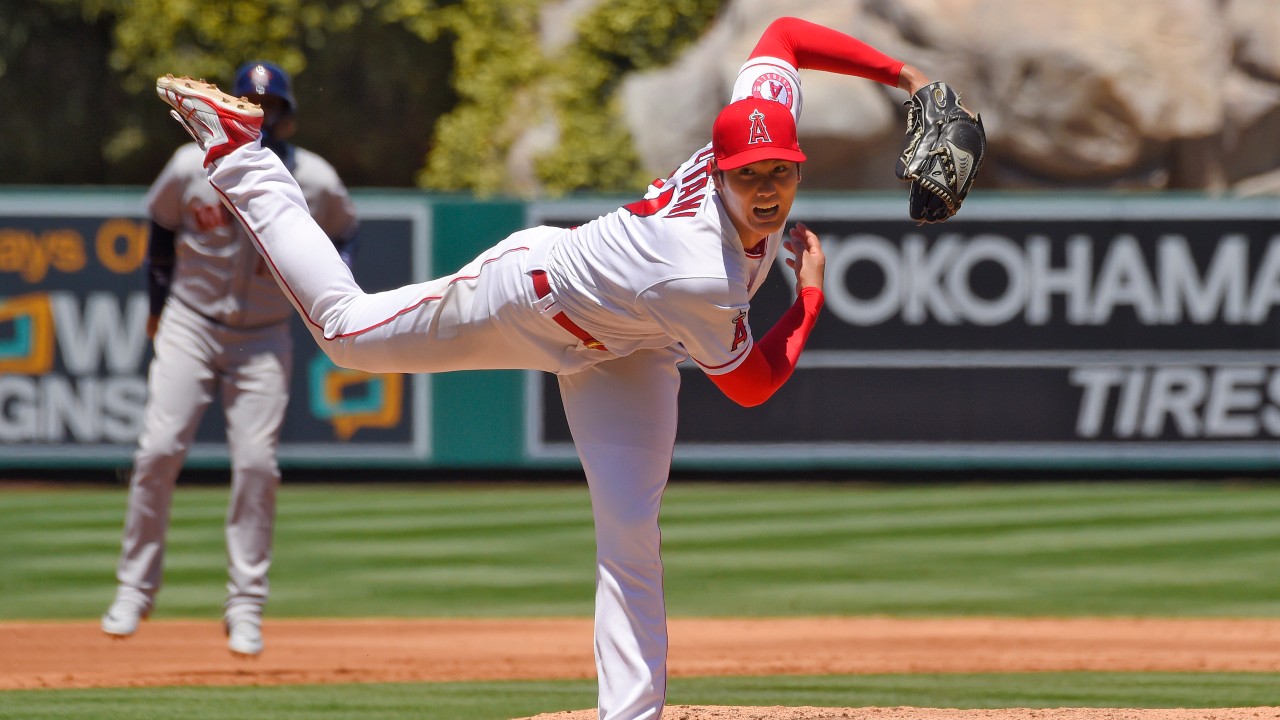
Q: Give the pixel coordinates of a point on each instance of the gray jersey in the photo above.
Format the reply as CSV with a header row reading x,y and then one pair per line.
x,y
218,273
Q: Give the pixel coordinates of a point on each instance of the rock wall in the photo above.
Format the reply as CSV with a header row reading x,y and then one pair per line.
x,y
1088,94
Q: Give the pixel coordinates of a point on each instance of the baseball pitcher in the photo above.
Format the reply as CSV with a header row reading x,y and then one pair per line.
x,y
611,307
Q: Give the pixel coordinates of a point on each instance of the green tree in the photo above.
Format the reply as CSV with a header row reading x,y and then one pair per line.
x,y
393,92
67,118
371,78
617,38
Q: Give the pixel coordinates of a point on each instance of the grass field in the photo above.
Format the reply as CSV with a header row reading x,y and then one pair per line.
x,y
762,549
501,701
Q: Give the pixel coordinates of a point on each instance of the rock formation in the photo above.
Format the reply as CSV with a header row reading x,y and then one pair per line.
x,y
1087,94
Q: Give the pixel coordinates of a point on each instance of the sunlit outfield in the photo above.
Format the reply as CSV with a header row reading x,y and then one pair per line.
x,y
760,549
1170,549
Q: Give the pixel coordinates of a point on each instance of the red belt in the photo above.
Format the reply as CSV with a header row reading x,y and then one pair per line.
x,y
542,287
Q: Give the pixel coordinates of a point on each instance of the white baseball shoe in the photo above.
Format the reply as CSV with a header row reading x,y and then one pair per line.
x,y
122,618
244,636
218,122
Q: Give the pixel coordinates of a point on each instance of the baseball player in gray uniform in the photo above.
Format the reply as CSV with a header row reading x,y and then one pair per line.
x,y
220,325
611,307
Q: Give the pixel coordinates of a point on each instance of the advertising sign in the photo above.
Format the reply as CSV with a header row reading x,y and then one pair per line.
x,y
1105,332
74,351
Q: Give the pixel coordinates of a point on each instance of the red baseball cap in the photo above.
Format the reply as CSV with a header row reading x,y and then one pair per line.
x,y
752,130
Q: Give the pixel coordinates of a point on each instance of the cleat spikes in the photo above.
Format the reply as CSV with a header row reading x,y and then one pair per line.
x,y
217,121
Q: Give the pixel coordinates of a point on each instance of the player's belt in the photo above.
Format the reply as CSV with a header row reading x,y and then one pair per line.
x,y
542,287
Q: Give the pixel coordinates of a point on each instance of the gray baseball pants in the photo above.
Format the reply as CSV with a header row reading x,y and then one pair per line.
x,y
194,359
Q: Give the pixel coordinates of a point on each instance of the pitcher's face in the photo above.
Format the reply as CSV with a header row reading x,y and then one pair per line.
x,y
759,196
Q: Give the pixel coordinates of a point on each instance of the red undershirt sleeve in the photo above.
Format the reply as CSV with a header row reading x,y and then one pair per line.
x,y
772,359
808,46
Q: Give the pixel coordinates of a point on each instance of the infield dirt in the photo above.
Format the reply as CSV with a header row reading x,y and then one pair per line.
x,y
177,652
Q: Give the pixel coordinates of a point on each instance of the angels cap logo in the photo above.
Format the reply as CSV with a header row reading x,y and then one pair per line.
x,y
754,130
758,132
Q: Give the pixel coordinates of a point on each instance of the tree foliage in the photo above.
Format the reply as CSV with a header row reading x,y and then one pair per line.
x,y
618,37
497,61
195,37
395,92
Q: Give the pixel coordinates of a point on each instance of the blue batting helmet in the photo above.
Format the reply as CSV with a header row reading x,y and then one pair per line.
x,y
263,78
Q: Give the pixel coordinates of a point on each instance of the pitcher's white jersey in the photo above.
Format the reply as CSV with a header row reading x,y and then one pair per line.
x,y
671,266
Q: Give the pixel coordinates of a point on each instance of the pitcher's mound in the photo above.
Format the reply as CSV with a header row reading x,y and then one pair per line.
x,y
719,712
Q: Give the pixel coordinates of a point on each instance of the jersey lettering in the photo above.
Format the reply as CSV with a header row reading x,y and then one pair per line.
x,y
693,188
739,330
208,217
691,192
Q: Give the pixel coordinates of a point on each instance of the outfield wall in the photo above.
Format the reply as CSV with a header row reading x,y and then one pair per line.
x,y
1087,332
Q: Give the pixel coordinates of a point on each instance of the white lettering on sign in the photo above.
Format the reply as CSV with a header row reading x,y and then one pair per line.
x,y
923,282
1216,402
100,332
56,408
81,403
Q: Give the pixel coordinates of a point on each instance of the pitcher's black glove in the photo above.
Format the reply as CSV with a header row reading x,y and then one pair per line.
x,y
945,147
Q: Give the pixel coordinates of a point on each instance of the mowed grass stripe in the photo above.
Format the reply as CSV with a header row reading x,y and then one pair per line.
x,y
1093,549
337,501
511,520
980,511
430,553
1031,690
752,549
1139,522
769,498
501,701
1201,528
